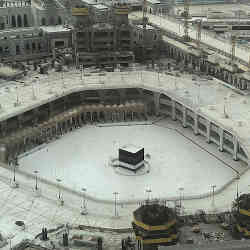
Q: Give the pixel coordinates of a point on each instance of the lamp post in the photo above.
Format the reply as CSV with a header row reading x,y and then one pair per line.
x,y
84,206
181,190
59,188
199,93
213,188
36,186
237,190
14,168
83,197
116,194
148,191
81,70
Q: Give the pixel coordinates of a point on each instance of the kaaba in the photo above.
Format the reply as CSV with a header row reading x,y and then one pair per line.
x,y
131,157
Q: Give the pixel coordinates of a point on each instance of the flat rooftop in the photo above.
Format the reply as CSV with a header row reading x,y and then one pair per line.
x,y
55,28
100,7
173,26
131,148
204,8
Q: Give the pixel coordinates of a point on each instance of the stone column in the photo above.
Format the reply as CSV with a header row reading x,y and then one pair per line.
x,y
102,94
184,118
236,146
196,124
208,131
157,103
50,109
221,139
173,110
35,114
20,121
122,94
66,101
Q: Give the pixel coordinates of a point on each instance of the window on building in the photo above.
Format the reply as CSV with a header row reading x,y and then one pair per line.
x,y
59,20
155,36
19,21
13,21
33,46
2,26
27,46
43,21
6,50
25,20
39,47
1,50
59,44
17,50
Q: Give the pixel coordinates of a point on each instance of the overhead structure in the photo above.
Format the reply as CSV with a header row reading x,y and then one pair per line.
x,y
155,224
233,45
241,217
144,24
249,64
186,20
198,34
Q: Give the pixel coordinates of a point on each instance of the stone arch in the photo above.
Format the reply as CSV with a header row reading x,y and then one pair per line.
x,y
43,21
19,21
13,21
59,20
25,20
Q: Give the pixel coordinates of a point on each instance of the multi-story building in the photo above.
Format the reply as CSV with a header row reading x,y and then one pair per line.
x,y
108,41
98,34
26,28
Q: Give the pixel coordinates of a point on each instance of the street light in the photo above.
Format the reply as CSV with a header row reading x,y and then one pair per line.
x,y
116,194
148,191
84,206
237,189
181,190
36,172
213,188
59,188
83,197
81,70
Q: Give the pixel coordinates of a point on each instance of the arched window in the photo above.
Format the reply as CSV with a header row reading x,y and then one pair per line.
x,y
19,21
17,50
1,50
27,46
59,20
33,46
25,20
43,21
13,21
